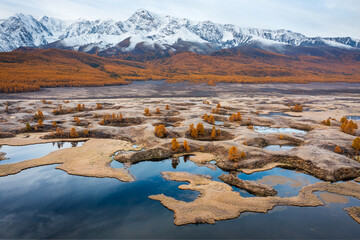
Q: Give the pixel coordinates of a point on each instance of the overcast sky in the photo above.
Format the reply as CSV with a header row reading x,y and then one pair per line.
x,y
310,17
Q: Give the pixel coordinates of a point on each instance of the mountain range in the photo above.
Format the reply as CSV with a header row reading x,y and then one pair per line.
x,y
147,32
54,53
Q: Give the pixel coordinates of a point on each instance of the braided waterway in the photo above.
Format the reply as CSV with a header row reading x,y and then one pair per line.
x,y
44,202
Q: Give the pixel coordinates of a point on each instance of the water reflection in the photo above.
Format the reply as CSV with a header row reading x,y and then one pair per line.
x,y
263,129
44,202
279,147
20,153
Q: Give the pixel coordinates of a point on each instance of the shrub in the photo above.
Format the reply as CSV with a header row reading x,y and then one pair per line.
x,y
40,123
356,144
175,145
343,119
281,137
167,107
348,127
218,133
242,154
209,119
39,115
338,149
218,105
157,111
28,128
215,110
86,133
186,146
326,122
160,131
250,127
235,117
80,107
233,154
73,133
147,112
77,120
297,108
54,124
59,132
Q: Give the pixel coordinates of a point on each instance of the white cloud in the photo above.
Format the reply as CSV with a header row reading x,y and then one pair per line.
x,y
312,18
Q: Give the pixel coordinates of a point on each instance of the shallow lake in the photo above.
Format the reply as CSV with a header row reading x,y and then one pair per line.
x,y
274,114
44,202
262,129
279,147
20,153
353,117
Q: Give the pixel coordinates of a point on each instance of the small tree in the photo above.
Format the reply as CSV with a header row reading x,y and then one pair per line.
x,y
218,105
28,128
297,108
343,119
233,154
175,145
218,133
186,146
338,149
213,134
200,129
281,137
160,131
99,106
157,111
194,133
167,107
86,133
80,107
147,112
211,119
58,131
40,123
39,115
54,124
73,133
356,144
242,154
206,117
77,120
191,127
328,123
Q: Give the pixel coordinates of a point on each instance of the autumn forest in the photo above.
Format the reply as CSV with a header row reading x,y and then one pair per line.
x,y
27,69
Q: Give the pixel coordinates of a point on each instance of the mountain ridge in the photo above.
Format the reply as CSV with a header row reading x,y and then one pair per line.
x,y
165,33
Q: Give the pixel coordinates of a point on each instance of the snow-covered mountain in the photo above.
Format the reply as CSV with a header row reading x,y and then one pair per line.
x,y
147,31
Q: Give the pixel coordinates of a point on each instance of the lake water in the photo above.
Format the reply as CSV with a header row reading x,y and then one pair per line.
x,y
219,123
353,117
21,153
279,147
262,129
274,114
44,202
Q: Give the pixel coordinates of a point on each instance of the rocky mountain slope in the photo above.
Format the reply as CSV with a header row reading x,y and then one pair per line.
x,y
146,32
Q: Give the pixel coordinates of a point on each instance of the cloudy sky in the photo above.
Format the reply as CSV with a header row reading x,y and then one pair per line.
x,y
310,17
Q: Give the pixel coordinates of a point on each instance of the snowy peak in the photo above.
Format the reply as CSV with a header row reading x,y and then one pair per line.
x,y
150,31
